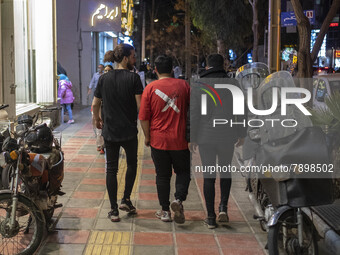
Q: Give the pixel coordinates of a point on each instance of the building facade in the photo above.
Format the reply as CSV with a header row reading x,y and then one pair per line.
x,y
28,55
86,29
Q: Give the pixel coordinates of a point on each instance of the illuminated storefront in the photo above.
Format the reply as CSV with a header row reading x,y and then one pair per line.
x,y
337,60
127,17
28,54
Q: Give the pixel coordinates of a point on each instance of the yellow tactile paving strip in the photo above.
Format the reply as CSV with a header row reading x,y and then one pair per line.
x,y
110,242
103,242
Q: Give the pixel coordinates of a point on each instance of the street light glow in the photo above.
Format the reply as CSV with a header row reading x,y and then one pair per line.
x,y
155,20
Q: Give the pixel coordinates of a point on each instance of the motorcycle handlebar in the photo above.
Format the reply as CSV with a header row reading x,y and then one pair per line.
x,y
3,106
39,126
51,109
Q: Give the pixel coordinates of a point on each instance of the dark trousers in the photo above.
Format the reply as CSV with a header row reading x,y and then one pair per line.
x,y
164,161
208,153
112,158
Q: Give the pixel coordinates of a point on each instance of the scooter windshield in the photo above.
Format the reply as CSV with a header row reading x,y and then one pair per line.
x,y
276,80
251,75
292,120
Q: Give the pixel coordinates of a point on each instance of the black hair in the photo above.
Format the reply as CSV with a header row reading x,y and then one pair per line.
x,y
122,50
163,64
101,65
215,60
110,66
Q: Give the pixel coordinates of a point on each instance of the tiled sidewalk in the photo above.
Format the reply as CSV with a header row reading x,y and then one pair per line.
x,y
82,226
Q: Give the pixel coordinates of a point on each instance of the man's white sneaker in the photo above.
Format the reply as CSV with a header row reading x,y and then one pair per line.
x,y
163,215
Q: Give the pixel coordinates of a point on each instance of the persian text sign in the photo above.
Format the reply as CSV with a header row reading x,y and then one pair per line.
x,y
288,19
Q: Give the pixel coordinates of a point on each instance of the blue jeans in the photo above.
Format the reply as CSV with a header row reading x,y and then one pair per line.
x,y
68,108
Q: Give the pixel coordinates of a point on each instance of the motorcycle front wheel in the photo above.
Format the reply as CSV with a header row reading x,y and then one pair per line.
x,y
6,175
283,237
26,235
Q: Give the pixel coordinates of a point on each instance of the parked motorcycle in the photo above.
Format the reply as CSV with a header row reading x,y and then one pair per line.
x,y
280,198
250,76
35,178
4,130
42,140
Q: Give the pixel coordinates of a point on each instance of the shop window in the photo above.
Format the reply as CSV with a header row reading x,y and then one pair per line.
x,y
33,51
101,43
24,55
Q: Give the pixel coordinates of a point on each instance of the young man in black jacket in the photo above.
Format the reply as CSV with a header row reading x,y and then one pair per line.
x,y
215,142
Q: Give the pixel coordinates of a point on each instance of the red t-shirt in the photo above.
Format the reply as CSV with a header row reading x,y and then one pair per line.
x,y
165,104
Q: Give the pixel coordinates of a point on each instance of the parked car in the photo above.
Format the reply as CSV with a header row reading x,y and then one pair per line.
x,y
322,70
324,86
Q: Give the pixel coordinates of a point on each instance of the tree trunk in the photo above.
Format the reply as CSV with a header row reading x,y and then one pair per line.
x,y
152,31
305,64
324,28
255,27
187,40
305,69
220,47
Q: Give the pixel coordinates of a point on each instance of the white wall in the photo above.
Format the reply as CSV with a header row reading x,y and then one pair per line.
x,y
7,43
86,66
43,27
67,37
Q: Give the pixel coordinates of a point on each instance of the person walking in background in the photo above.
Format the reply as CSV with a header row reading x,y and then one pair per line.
x,y
216,143
120,92
177,71
163,116
95,78
142,73
99,138
108,68
66,95
92,87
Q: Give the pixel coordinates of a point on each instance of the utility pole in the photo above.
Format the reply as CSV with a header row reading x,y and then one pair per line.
x,y
274,35
143,31
151,31
187,41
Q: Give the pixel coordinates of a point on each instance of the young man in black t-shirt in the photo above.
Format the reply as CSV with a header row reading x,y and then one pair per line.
x,y
120,90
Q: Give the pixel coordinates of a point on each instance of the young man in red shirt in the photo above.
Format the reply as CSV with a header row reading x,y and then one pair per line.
x,y
163,115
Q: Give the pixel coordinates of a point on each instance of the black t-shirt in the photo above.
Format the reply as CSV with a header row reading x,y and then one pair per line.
x,y
117,89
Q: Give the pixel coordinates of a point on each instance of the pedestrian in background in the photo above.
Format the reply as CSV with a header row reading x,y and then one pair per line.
x,y
92,87
99,138
95,78
163,117
66,95
177,71
108,68
120,91
216,144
